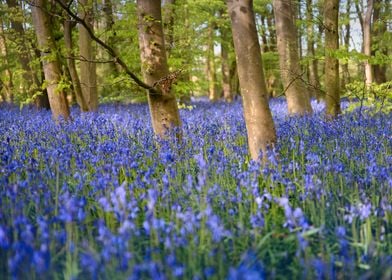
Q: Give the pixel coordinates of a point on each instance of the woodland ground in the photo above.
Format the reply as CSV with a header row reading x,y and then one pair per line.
x,y
97,199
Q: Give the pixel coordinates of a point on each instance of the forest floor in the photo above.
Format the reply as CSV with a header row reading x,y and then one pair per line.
x,y
99,198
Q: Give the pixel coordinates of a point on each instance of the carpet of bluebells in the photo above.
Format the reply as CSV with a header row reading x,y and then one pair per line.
x,y
100,198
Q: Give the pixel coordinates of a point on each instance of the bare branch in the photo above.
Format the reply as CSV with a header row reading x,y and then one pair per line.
x,y
108,48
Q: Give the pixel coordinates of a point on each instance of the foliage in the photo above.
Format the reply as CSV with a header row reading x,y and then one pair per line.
x,y
97,198
377,98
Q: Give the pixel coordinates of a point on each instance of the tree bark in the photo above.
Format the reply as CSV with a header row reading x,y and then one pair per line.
x,y
298,100
259,123
379,70
88,75
163,107
225,66
367,42
331,12
271,31
346,39
314,81
168,24
68,25
31,83
265,46
213,93
51,65
9,86
109,23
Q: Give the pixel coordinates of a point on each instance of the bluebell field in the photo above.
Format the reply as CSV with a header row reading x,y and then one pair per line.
x,y
99,198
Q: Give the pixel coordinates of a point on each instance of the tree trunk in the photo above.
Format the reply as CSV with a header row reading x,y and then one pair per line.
x,y
367,42
88,75
30,76
2,95
163,107
259,123
31,85
264,47
168,24
346,73
226,86
298,100
71,64
331,12
299,28
51,65
271,31
213,93
234,82
314,81
379,29
109,23
9,86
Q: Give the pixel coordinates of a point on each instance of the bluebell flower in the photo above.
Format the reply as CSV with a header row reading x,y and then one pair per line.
x,y
250,268
4,241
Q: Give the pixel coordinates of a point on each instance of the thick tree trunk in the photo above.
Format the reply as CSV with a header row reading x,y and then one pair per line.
x,y
314,81
298,100
51,65
71,65
163,107
367,42
332,91
88,75
259,123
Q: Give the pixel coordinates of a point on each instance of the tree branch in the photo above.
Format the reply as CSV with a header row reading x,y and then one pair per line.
x,y
109,49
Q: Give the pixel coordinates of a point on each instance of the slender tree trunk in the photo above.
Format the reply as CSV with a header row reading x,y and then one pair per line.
x,y
213,93
234,82
259,123
109,23
226,86
360,18
379,29
331,12
271,31
31,83
168,24
88,75
347,35
68,24
9,86
298,100
51,65
367,42
299,28
163,107
2,95
265,47
314,81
